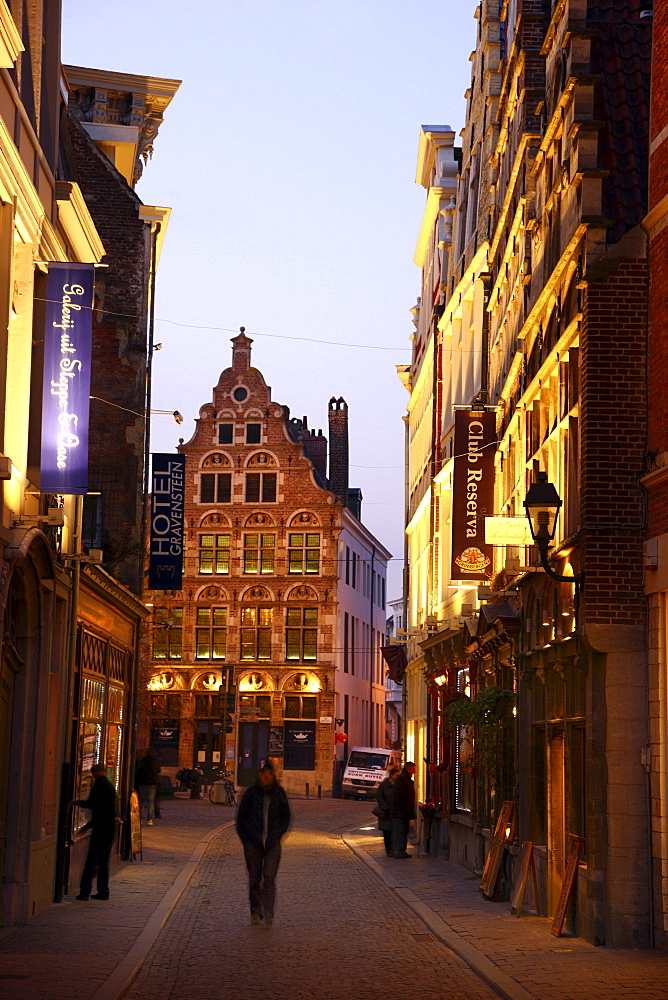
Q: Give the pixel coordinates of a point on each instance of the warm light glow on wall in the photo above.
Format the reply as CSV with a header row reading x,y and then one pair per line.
x,y
163,681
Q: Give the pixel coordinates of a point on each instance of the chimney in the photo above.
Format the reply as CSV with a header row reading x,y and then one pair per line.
x,y
315,448
241,351
338,448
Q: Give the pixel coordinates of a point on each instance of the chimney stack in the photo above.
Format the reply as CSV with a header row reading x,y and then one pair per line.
x,y
338,448
241,352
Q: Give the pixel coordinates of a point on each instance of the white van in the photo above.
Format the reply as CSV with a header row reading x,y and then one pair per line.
x,y
366,768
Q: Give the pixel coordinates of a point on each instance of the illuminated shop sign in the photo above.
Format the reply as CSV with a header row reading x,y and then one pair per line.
x,y
165,568
472,494
66,384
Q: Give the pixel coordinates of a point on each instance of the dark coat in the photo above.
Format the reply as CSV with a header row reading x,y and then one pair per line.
x,y
403,800
384,797
250,815
102,804
148,769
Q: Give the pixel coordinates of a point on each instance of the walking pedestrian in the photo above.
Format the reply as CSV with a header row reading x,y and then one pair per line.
x,y
146,783
102,804
384,797
262,819
402,810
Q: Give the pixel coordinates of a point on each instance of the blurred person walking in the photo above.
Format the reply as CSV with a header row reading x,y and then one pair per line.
x,y
262,819
146,783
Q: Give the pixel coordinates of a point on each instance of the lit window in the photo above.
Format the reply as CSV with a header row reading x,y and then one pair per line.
x,y
211,633
301,634
167,633
259,553
304,554
256,633
214,554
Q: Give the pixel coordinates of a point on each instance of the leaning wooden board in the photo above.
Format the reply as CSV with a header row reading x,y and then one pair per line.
x,y
493,862
577,844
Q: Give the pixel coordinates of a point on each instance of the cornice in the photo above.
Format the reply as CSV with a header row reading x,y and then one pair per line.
x,y
77,223
10,39
154,86
103,584
431,138
656,219
435,196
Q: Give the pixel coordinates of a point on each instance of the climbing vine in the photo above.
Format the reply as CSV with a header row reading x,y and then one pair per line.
x,y
485,717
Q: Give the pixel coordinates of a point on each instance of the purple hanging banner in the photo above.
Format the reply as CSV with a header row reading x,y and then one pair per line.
x,y
66,386
165,566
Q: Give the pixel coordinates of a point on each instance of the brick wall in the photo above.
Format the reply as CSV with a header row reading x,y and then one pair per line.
x,y
613,417
119,355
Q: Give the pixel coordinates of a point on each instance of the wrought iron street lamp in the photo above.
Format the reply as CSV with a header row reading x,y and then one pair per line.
x,y
542,506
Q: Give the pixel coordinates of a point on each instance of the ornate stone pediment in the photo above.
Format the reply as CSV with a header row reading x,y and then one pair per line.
x,y
302,593
260,520
261,460
304,519
214,521
215,461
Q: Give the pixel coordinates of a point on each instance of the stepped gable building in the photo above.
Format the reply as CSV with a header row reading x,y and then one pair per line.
x,y
283,597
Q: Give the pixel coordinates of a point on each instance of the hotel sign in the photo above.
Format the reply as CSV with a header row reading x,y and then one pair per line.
x,y
472,493
66,383
165,568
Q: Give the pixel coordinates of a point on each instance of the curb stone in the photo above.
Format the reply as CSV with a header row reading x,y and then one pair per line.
x,y
476,960
117,984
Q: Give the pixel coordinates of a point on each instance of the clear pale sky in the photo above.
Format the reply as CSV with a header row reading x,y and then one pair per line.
x,y
288,159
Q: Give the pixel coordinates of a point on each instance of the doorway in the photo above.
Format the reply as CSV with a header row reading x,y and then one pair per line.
x,y
208,754
253,750
556,834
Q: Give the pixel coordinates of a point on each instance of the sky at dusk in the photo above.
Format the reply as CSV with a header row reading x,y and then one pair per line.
x,y
288,159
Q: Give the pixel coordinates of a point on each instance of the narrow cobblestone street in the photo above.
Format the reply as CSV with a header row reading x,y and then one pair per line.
x,y
339,933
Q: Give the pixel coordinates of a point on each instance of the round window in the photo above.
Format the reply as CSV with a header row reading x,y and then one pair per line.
x,y
240,394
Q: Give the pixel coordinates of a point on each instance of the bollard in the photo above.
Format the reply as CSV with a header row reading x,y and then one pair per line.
x,y
307,789
319,791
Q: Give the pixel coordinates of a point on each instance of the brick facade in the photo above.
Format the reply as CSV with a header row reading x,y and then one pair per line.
x,y
260,592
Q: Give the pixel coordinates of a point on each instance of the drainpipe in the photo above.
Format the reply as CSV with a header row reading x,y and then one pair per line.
x,y
371,651
406,579
67,773
134,679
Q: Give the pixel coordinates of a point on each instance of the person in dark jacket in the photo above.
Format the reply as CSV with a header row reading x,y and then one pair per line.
x,y
384,797
102,804
146,783
262,819
402,810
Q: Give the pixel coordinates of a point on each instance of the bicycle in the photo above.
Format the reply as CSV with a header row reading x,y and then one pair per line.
x,y
225,779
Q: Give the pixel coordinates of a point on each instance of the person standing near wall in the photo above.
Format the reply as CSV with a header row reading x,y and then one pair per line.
x,y
402,810
103,806
384,797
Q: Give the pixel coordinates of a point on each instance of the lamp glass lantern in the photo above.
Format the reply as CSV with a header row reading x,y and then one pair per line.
x,y
542,506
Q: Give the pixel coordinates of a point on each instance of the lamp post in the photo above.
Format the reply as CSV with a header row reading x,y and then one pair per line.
x,y
542,506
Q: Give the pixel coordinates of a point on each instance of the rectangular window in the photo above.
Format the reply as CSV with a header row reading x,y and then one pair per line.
x,y
261,486
259,553
352,644
346,651
253,433
226,433
354,573
215,487
167,633
211,633
299,746
256,633
303,554
464,796
214,554
301,634
347,564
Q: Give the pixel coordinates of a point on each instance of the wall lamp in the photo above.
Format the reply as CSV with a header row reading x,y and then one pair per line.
x,y
542,506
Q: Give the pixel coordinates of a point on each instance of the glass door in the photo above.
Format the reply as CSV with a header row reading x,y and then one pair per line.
x,y
253,750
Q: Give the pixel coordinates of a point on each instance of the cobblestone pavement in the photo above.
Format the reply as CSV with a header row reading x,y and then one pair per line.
x,y
69,949
531,962
339,933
